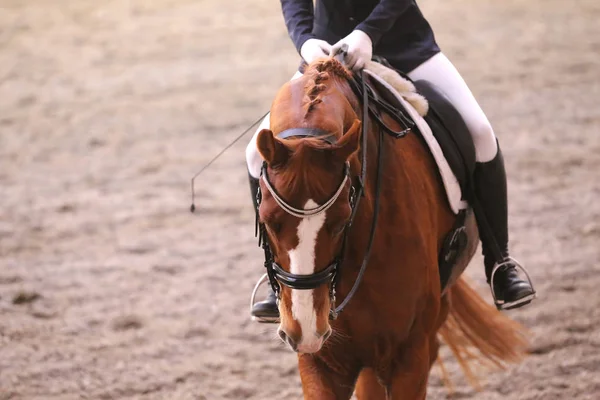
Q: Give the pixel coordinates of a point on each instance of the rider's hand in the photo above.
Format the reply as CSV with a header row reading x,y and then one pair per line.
x,y
360,49
313,49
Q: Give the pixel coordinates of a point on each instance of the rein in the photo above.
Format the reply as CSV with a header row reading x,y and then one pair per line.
x,y
331,274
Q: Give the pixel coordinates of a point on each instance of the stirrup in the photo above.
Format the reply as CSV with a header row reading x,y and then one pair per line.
x,y
266,320
501,304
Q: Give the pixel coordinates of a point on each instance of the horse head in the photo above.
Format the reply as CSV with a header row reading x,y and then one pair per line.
x,y
306,191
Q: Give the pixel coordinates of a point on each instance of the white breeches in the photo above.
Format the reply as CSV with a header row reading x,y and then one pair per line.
x,y
253,157
440,71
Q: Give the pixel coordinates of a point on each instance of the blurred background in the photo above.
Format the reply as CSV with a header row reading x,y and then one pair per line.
x,y
111,289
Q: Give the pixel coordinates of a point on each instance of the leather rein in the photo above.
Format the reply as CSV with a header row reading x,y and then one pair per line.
x,y
331,274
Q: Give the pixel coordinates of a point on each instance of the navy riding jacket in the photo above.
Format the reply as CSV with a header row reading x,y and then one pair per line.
x,y
397,28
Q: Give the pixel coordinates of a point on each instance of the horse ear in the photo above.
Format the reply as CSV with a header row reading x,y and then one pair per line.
x,y
272,150
349,142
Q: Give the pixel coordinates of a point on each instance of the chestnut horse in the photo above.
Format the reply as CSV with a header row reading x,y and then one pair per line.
x,y
383,344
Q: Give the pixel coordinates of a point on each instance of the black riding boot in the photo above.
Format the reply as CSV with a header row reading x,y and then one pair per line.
x,y
509,289
266,310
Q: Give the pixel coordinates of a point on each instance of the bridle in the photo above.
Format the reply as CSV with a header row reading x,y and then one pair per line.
x,y
301,213
331,274
276,274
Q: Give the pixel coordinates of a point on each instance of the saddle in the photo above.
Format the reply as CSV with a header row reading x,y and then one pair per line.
x,y
451,132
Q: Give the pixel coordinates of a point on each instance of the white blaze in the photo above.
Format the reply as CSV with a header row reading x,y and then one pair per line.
x,y
302,261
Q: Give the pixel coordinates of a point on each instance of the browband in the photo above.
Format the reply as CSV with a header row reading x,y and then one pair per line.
x,y
308,132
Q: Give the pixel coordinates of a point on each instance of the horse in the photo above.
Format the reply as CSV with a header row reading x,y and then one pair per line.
x,y
325,183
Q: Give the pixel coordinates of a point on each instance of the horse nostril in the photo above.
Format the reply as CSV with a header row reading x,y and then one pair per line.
x,y
282,335
287,339
327,335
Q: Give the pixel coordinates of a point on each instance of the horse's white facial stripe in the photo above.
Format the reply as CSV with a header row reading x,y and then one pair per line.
x,y
302,261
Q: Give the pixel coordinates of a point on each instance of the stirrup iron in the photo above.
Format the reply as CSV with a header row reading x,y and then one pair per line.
x,y
265,320
501,304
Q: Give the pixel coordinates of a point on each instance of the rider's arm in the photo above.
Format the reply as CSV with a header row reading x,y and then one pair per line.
x,y
382,18
298,16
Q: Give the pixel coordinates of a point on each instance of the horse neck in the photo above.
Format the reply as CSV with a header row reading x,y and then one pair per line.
x,y
404,206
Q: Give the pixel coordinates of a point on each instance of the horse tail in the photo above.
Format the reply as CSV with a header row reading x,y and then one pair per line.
x,y
477,333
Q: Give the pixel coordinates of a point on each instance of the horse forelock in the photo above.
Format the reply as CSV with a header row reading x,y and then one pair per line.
x,y
310,171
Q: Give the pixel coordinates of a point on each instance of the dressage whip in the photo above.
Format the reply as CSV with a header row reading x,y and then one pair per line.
x,y
193,206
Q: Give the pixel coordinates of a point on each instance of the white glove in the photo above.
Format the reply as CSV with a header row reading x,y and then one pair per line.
x,y
360,49
313,49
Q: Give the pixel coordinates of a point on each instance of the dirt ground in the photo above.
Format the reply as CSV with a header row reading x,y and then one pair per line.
x,y
111,289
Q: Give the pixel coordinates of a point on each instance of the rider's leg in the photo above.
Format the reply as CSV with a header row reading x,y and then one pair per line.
x,y
266,310
490,177
253,157
440,71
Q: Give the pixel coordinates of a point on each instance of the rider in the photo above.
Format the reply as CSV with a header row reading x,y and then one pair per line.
x,y
397,31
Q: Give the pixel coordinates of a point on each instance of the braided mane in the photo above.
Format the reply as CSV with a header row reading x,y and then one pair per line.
x,y
319,74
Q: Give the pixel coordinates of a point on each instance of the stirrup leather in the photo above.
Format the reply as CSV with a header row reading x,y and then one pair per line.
x,y
266,320
501,304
